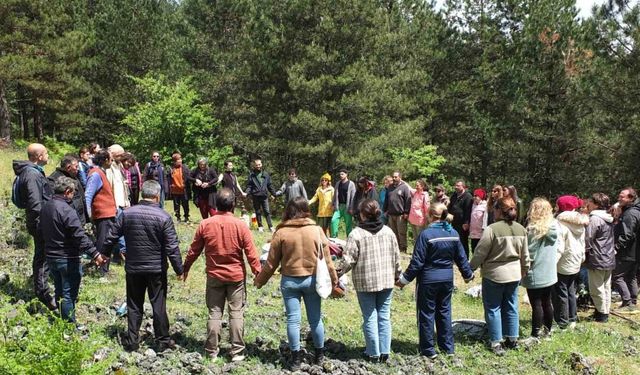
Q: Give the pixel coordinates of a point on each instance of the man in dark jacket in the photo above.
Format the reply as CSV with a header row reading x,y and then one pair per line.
x,y
627,234
64,243
179,185
397,206
33,191
460,207
151,238
69,167
258,187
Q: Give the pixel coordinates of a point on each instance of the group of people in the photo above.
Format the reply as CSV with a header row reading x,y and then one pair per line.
x,y
545,255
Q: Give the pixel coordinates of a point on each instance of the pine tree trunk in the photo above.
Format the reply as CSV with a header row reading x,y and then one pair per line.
x,y
5,118
38,129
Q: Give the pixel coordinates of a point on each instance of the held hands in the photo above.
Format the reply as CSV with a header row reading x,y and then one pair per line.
x,y
255,283
182,277
399,284
465,227
467,281
100,260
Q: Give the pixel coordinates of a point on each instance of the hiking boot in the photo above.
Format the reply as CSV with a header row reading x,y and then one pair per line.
x,y
511,343
166,345
130,347
602,318
384,358
51,304
296,360
318,356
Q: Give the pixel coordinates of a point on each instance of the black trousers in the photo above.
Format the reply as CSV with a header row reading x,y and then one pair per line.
x,y
464,237
260,205
565,307
542,309
625,280
103,227
181,200
40,269
155,284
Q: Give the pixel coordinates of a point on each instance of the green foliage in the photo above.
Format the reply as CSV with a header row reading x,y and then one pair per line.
x,y
419,163
33,344
170,117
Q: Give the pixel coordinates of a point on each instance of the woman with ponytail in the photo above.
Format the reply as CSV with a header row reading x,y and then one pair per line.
x,y
437,248
503,254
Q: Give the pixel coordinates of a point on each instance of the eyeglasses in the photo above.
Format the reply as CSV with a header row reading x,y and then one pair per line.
x,y
495,190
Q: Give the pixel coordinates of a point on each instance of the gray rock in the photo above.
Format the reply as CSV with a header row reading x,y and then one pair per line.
x,y
150,353
472,328
474,291
101,354
4,278
581,364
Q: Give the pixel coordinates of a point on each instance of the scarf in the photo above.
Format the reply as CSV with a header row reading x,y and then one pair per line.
x,y
442,224
371,226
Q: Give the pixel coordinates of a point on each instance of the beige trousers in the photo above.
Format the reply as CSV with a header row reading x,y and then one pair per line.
x,y
600,289
217,294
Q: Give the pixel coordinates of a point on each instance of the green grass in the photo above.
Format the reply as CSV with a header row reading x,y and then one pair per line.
x,y
613,346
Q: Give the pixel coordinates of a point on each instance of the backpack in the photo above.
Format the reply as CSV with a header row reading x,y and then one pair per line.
x,y
15,194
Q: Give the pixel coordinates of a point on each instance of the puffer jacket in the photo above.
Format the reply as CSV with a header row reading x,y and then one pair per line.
x,y
151,238
325,201
543,252
34,190
627,232
62,231
599,241
572,227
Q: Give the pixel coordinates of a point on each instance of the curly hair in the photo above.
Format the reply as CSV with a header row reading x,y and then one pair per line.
x,y
540,218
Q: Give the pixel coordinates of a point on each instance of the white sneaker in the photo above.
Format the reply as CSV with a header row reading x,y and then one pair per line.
x,y
572,325
260,229
237,358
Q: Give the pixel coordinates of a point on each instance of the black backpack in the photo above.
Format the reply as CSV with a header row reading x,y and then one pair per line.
x,y
16,198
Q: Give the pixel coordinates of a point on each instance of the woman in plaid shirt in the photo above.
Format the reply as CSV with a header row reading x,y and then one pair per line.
x,y
373,254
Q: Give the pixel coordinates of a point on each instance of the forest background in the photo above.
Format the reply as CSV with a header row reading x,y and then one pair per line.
x,y
521,92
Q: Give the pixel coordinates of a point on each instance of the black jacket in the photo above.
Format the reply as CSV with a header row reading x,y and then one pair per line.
x,y
398,199
627,233
460,207
257,189
62,231
209,176
78,198
362,195
34,190
150,237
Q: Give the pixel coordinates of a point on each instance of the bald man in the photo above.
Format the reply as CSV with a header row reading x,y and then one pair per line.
x,y
118,182
34,191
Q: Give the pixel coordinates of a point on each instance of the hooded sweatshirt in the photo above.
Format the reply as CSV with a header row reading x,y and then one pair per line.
x,y
543,252
626,232
599,241
572,228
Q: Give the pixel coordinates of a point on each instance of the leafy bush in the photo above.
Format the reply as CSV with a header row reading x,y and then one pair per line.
x,y
32,344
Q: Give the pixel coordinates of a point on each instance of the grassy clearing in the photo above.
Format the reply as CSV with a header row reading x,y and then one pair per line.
x,y
613,346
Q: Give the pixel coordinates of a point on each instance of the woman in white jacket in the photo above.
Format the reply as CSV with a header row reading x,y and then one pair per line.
x,y
572,255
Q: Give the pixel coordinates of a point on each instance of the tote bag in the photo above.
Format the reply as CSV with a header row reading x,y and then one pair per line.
x,y
323,279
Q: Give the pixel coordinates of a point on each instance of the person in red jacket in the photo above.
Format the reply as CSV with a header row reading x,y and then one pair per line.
x,y
224,239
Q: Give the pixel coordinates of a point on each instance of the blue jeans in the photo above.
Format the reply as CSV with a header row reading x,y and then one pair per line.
x,y
293,289
67,274
376,323
434,306
500,302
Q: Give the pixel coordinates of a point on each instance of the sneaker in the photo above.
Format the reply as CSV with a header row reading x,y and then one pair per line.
x,y
511,343
237,358
432,356
168,345
261,229
497,349
384,358
602,318
296,360
572,325
212,355
318,357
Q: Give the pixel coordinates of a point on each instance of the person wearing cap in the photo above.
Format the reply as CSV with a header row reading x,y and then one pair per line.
x,y
479,216
365,189
441,195
324,197
344,192
627,247
572,229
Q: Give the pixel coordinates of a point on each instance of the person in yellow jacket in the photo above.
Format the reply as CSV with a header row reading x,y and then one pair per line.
x,y
324,197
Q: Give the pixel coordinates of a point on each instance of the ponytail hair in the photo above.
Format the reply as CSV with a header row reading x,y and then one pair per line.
x,y
370,209
507,207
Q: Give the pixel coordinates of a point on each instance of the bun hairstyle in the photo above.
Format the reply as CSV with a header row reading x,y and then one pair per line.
x,y
507,207
439,212
370,209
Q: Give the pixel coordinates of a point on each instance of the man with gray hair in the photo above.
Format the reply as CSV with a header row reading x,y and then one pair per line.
x,y
64,243
32,191
151,239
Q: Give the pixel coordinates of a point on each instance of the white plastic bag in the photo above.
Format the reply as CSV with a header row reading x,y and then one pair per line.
x,y
323,279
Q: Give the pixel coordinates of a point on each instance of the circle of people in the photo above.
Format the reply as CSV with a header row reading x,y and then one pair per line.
x,y
541,250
